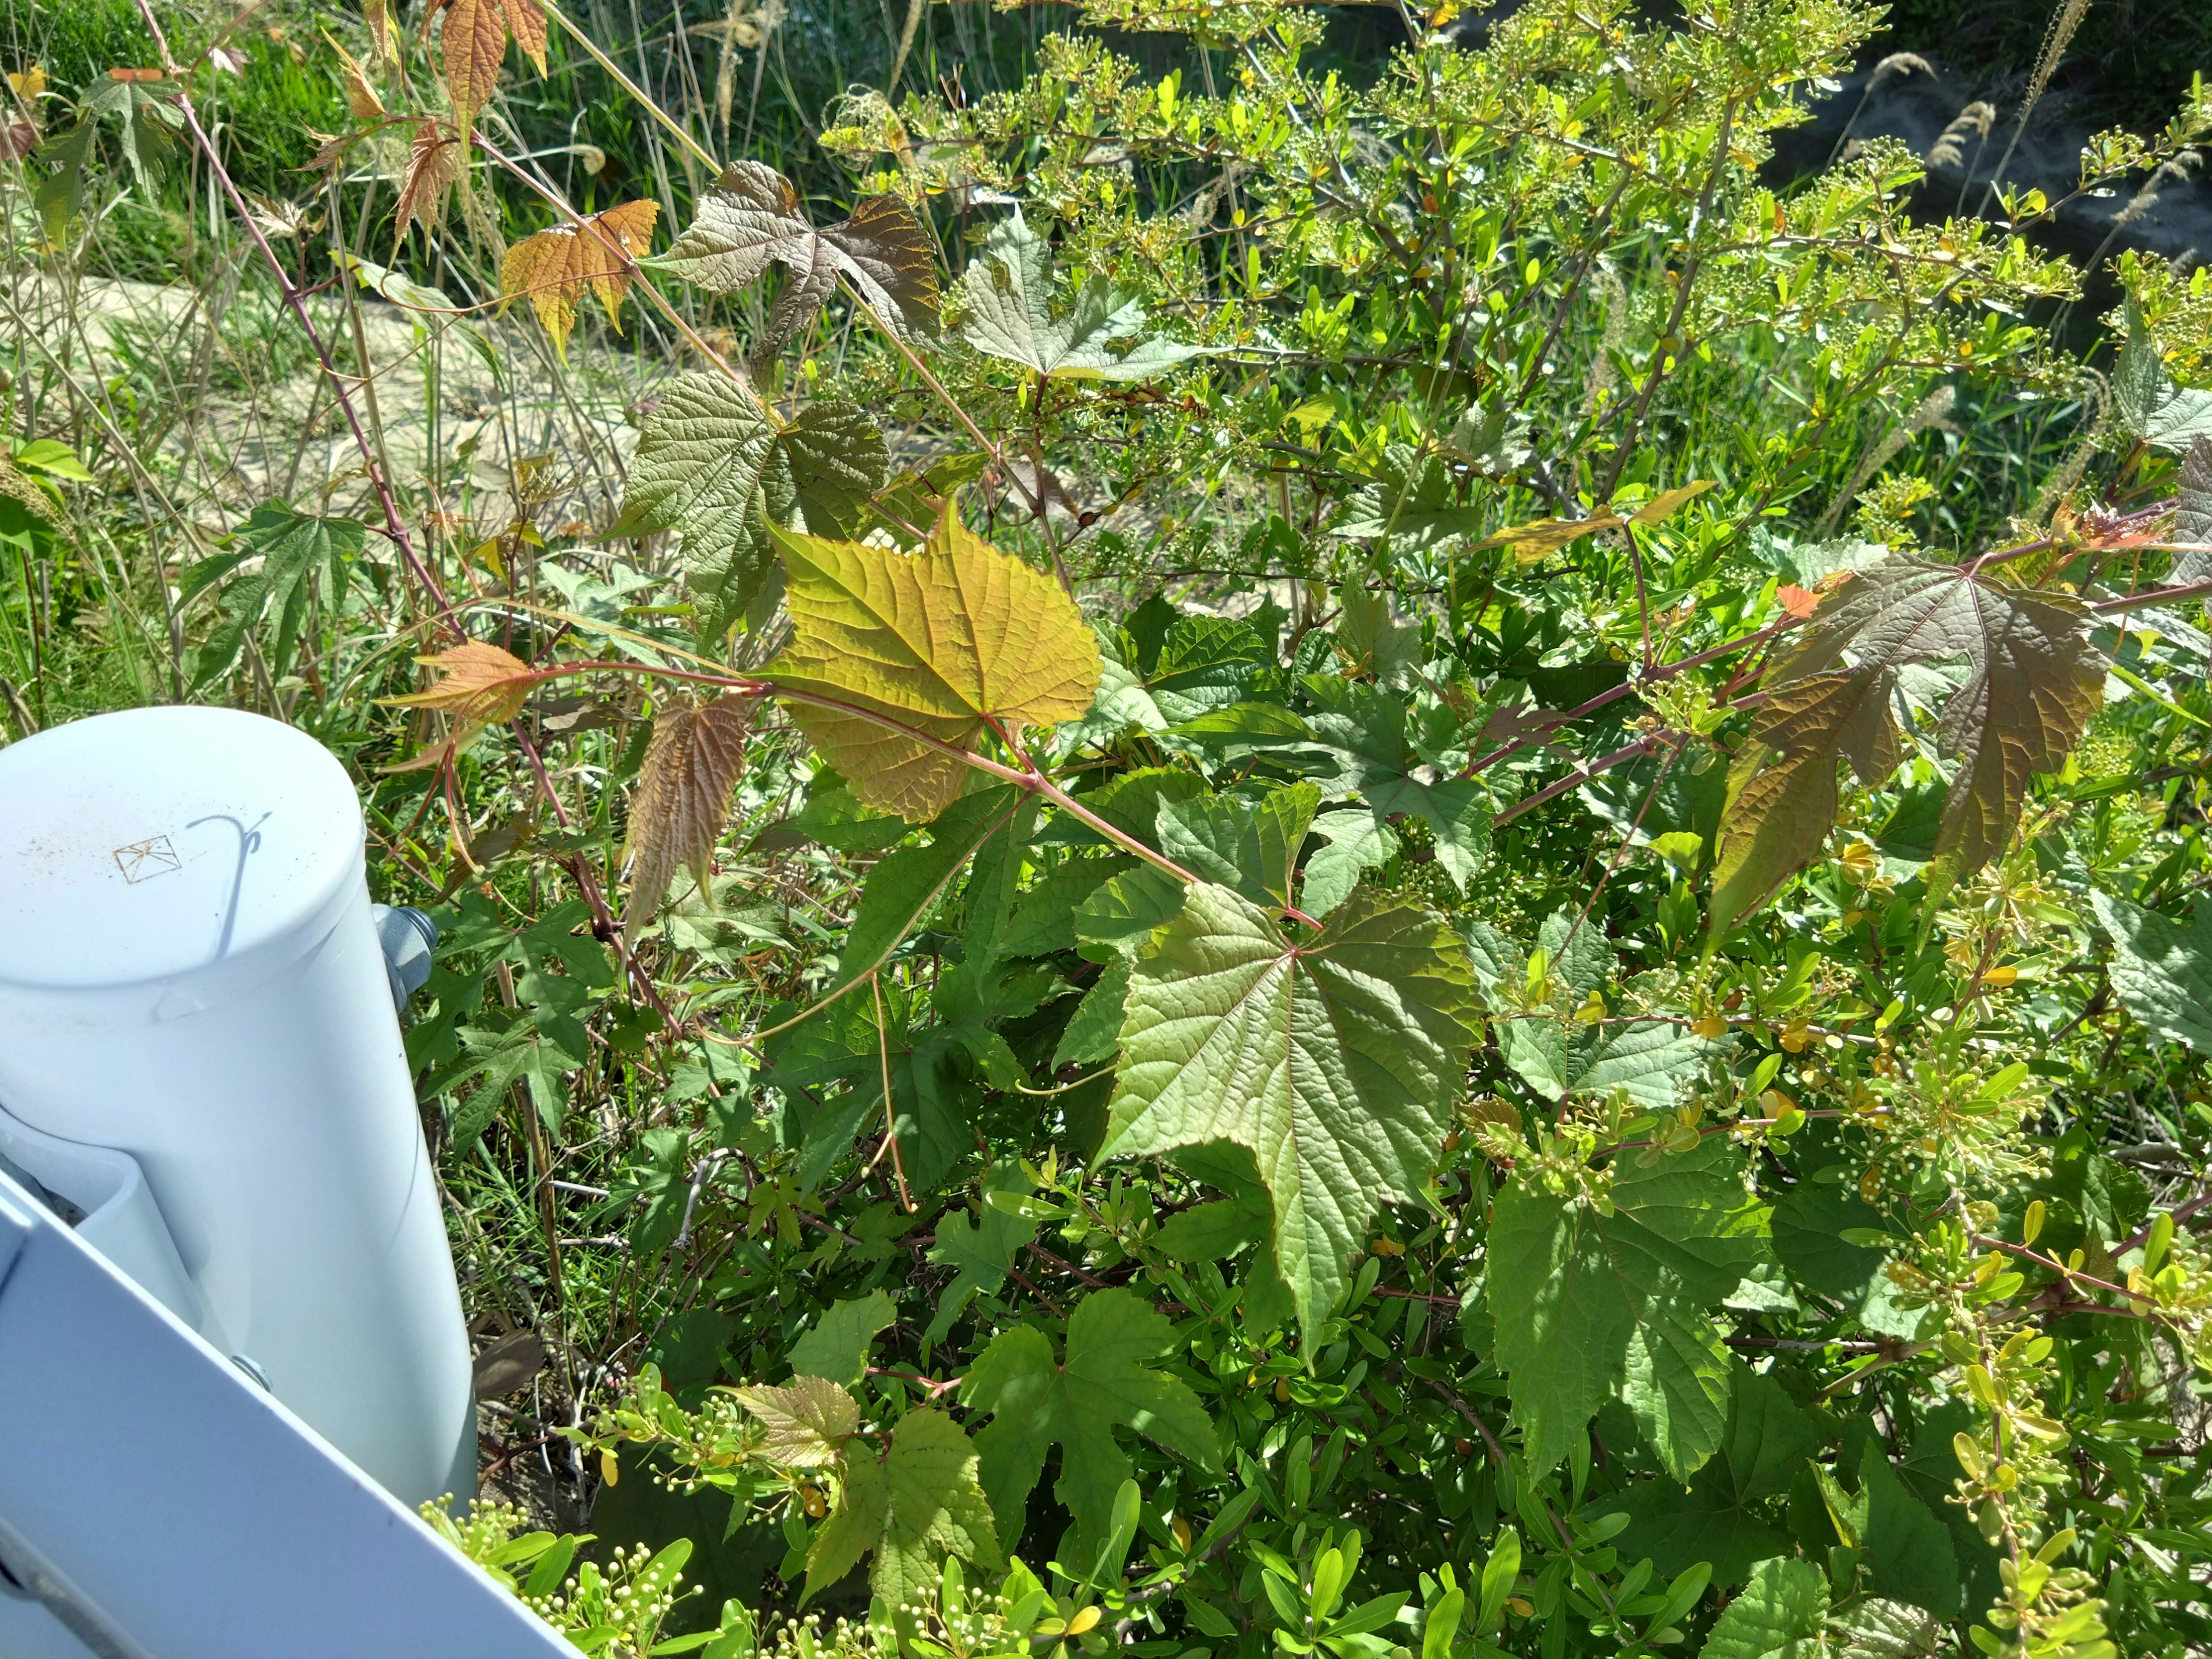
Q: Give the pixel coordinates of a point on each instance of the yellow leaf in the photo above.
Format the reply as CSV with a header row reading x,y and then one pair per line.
x,y
434,162
676,816
945,643
1533,543
1666,505
31,84
361,97
1712,1028
473,43
555,268
610,1470
526,18
1083,1620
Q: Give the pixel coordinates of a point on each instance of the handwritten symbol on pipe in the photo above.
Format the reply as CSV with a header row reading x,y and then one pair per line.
x,y
142,860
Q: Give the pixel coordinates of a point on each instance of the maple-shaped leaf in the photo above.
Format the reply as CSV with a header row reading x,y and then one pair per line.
x,y
2034,678
478,684
2152,407
1098,335
1108,1376
948,642
555,268
2192,515
1573,1289
917,1502
751,218
1777,1615
682,793
713,463
1335,1060
433,162
808,1423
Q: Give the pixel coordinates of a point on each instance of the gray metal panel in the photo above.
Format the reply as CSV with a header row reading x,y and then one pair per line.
x,y
170,1509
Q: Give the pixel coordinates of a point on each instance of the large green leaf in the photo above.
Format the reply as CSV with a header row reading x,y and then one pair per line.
x,y
1907,1550
1251,846
1677,1385
1097,335
1108,1376
1569,1282
712,464
2150,405
915,1504
1362,728
2162,968
981,1250
835,1346
1334,1059
1719,1521
1777,1616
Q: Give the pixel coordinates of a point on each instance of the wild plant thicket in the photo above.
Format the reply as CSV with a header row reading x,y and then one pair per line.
x,y
1460,912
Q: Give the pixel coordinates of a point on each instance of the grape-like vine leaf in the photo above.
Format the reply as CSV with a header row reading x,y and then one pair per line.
x,y
1108,1376
682,793
945,644
713,464
1335,1060
2034,678
915,1504
751,218
1097,335
1570,1282
2192,514
1777,1615
808,1423
435,157
555,268
835,1346
2152,407
2162,967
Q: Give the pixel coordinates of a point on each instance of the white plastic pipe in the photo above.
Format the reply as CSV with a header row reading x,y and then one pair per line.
x,y
189,973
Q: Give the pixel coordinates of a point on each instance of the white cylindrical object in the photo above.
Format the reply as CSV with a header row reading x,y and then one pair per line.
x,y
189,973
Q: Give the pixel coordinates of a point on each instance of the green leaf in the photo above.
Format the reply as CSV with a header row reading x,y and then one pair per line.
x,y
1364,729
946,643
2152,407
982,1250
1109,1375
713,464
1334,1060
2034,678
905,887
1777,1616
1808,1222
292,547
2162,969
1251,846
1412,504
1906,1549
1872,1628
1648,1060
1094,1030
1677,1385
1767,1441
1126,910
1044,921
911,1506
1568,1285
2192,514
1011,315
835,1346
1354,840
1369,633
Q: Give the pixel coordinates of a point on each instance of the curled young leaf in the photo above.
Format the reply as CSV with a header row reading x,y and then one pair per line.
x,y
433,162
682,793
478,684
945,643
